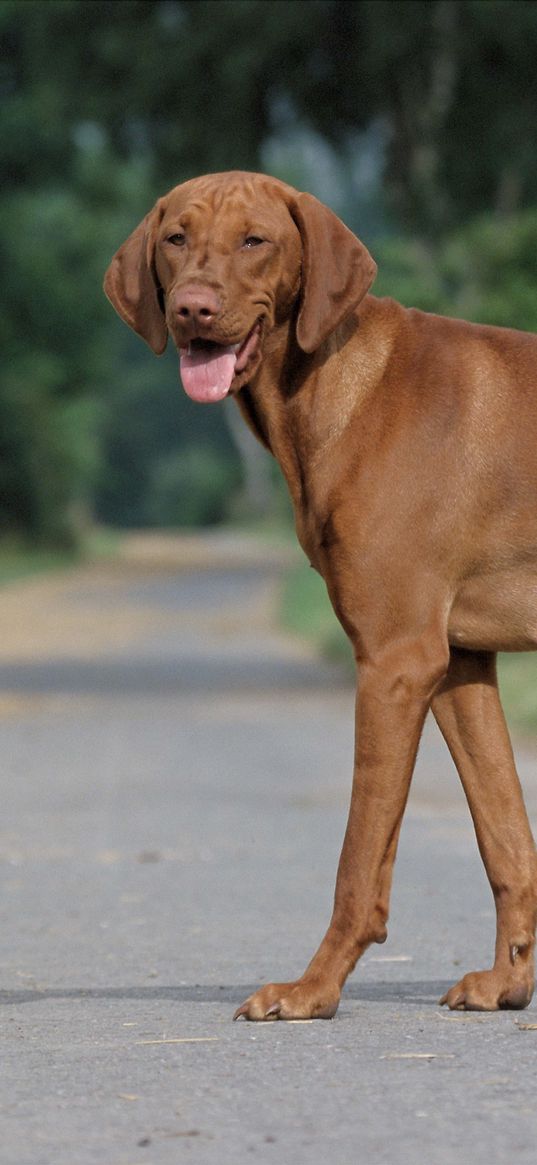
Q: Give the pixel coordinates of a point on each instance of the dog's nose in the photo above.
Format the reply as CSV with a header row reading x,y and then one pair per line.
x,y
197,305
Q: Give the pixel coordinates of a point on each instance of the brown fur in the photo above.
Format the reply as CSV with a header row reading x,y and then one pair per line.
x,y
409,445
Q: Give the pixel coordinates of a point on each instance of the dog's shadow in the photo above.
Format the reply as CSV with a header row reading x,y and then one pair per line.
x,y
411,993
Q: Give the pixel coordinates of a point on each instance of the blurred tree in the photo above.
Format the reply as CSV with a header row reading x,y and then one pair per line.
x,y
105,104
193,85
484,271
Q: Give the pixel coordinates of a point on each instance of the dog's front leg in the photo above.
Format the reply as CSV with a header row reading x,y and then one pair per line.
x,y
394,693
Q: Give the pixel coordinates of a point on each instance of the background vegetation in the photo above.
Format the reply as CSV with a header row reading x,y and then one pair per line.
x,y
414,119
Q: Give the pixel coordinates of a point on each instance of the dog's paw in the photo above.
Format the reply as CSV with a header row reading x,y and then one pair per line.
x,y
489,991
300,1000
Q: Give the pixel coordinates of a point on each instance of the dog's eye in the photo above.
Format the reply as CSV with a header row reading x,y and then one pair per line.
x,y
252,241
177,240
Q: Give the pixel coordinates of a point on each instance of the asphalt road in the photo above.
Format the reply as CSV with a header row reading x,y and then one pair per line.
x,y
174,783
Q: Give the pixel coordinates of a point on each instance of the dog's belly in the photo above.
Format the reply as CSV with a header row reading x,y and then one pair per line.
x,y
496,611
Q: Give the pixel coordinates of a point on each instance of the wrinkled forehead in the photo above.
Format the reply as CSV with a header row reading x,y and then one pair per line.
x,y
238,198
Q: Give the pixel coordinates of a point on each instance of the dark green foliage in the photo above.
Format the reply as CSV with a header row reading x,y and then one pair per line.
x,y
191,487
150,424
486,271
106,104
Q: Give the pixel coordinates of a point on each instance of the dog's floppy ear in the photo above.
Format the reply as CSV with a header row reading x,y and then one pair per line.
x,y
131,284
337,271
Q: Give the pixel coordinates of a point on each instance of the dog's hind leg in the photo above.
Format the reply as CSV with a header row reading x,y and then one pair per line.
x,y
468,711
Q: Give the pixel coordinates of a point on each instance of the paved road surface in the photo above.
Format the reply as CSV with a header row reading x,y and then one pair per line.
x,y
175,781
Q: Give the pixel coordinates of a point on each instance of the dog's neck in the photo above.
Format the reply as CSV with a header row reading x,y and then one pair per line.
x,y
300,406
272,405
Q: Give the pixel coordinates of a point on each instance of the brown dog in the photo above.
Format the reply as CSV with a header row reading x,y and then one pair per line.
x,y
409,445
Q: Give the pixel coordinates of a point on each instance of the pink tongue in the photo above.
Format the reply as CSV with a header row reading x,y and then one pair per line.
x,y
207,373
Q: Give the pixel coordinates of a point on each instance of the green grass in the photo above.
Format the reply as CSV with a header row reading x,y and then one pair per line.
x,y
19,560
306,610
518,686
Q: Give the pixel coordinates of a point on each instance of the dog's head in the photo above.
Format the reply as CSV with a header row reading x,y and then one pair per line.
x,y
222,261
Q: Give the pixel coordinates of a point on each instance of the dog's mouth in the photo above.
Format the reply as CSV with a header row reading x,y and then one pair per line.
x,y
208,369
